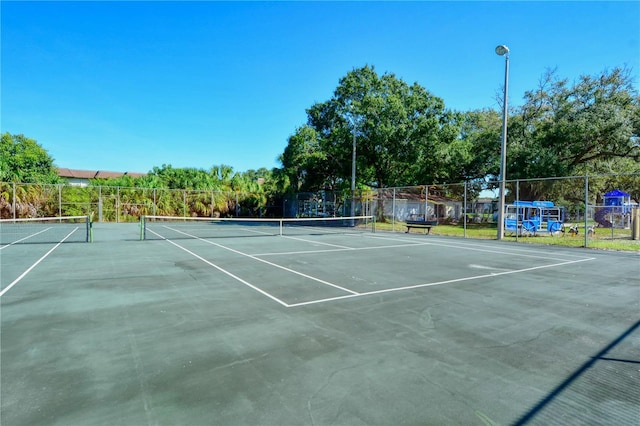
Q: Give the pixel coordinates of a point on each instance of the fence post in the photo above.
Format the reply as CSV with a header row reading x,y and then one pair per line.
x,y
426,202
517,208
393,211
184,203
13,201
635,223
586,209
464,212
100,203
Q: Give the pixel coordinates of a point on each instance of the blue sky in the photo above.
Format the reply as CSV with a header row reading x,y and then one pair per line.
x,y
126,86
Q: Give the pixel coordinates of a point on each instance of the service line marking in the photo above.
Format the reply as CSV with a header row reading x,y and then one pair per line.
x,y
410,287
266,261
25,238
338,250
512,251
353,294
6,289
318,242
224,271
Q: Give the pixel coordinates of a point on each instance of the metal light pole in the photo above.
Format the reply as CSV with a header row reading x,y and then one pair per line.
x,y
353,171
503,50
353,164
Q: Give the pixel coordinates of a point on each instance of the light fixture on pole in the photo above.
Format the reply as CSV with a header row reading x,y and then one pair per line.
x,y
503,50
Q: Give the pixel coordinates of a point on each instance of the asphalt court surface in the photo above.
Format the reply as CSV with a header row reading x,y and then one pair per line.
x,y
383,328
318,268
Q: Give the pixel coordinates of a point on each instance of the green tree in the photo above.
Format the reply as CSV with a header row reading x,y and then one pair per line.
x,y
404,135
481,129
306,163
564,129
218,178
23,160
222,173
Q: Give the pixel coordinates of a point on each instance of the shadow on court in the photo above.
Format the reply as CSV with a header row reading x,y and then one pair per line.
x,y
374,329
617,381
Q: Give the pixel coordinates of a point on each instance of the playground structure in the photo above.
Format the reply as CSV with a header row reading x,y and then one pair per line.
x,y
616,211
532,217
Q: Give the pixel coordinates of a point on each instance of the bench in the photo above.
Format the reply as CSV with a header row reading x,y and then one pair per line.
x,y
421,224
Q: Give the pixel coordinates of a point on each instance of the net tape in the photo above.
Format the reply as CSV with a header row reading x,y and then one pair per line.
x,y
168,227
45,230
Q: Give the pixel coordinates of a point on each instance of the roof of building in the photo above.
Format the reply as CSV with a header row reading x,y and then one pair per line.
x,y
94,174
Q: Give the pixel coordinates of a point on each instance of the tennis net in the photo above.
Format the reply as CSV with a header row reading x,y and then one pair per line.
x,y
168,227
45,230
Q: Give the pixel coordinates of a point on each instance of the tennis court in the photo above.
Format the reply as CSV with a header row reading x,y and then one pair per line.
x,y
320,326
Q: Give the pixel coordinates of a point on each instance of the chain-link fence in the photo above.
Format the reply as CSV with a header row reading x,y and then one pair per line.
x,y
585,210
122,204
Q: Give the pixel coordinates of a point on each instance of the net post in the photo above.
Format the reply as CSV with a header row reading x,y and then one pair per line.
x,y
142,226
281,225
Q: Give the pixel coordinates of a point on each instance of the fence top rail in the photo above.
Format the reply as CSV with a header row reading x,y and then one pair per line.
x,y
222,191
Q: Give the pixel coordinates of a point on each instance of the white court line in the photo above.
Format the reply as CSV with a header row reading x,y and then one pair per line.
x,y
411,243
338,250
461,244
526,248
25,238
6,289
265,261
511,251
354,294
389,290
318,242
224,271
